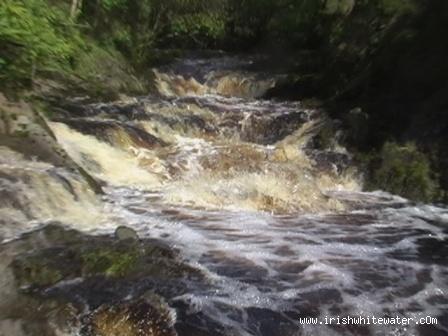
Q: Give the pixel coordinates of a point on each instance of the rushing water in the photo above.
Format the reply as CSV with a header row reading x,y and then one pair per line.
x,y
235,184
267,270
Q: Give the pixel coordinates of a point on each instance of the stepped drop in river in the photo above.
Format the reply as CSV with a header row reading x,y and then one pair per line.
x,y
232,219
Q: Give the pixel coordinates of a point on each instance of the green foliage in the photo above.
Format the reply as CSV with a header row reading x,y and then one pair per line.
x,y
405,171
398,7
35,37
109,5
39,39
200,30
247,20
339,6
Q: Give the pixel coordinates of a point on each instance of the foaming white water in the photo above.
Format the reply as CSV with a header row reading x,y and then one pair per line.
x,y
35,192
250,191
372,262
105,162
206,162
196,77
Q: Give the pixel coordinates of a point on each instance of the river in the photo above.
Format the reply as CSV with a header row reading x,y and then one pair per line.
x,y
278,225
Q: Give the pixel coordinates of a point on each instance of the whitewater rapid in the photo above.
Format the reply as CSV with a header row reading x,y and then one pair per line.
x,y
232,181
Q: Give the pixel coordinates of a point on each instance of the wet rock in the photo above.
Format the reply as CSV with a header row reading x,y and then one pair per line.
x,y
269,129
115,133
330,162
39,270
51,277
25,131
126,109
53,255
198,323
357,122
22,314
433,251
139,318
125,233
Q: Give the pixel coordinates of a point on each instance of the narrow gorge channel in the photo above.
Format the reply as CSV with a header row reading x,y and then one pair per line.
x,y
233,219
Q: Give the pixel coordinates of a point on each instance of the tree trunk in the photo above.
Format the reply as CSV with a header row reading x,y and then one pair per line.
x,y
76,6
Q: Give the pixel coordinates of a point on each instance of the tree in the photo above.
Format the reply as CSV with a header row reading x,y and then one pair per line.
x,y
75,8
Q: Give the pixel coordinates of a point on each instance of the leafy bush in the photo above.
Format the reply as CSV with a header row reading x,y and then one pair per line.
x,y
405,171
34,36
200,29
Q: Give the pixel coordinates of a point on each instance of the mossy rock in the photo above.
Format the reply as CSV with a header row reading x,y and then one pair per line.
x,y
54,254
34,271
110,261
57,275
45,268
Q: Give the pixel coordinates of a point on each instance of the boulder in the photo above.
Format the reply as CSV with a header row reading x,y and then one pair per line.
x,y
53,254
25,130
58,281
125,233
